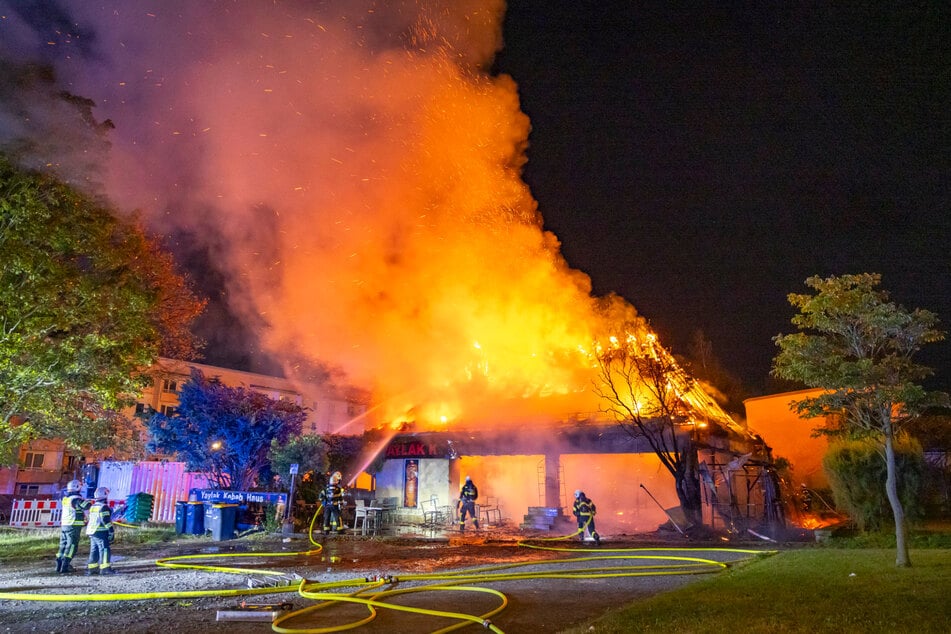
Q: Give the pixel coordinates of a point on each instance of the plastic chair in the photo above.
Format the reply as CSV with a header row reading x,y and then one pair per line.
x,y
359,515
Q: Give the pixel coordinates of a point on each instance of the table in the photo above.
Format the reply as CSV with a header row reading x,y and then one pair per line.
x,y
371,519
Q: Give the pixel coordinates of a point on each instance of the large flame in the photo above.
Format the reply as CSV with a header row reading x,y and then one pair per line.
x,y
358,170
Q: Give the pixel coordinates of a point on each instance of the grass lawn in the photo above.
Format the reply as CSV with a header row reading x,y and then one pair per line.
x,y
19,545
804,590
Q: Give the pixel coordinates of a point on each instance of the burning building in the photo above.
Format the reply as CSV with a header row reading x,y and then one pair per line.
x,y
363,214
624,456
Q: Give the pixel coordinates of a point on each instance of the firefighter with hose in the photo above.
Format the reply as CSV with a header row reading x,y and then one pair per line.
x,y
584,511
332,499
72,522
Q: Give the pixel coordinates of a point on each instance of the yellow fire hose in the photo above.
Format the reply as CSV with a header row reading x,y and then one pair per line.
x,y
328,595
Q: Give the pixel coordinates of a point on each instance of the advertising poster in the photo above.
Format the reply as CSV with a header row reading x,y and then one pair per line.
x,y
411,483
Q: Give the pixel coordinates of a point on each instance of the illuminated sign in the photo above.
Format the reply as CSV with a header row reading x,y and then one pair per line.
x,y
415,449
238,497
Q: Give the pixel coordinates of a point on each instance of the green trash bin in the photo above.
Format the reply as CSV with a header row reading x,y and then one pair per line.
x,y
223,517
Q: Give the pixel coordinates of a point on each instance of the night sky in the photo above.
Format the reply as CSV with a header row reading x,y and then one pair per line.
x,y
704,162
700,162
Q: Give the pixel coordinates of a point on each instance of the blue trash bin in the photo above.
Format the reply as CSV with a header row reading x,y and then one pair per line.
x,y
180,517
223,518
194,518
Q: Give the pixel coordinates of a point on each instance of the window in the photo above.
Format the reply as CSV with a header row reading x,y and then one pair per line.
x,y
139,409
170,385
28,490
168,410
33,460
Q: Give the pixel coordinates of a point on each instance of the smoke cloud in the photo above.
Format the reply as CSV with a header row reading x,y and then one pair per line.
x,y
354,172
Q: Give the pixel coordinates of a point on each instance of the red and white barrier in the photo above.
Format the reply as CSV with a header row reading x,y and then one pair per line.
x,y
35,513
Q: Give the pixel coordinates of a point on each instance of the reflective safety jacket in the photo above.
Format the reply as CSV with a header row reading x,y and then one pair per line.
x,y
73,506
469,492
333,494
583,507
100,520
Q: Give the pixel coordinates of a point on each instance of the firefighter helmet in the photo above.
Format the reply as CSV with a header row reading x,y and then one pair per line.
x,y
468,478
578,493
336,477
73,486
101,493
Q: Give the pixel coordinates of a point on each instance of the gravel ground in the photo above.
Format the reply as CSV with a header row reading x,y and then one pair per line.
x,y
534,605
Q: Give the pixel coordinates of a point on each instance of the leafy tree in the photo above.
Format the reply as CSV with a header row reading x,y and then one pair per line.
x,y
856,470
343,453
224,432
858,346
642,386
86,301
310,453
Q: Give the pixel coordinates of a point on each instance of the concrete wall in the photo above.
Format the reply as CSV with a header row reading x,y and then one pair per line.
x,y
790,435
432,481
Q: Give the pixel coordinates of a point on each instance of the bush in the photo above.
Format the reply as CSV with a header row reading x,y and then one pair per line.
x,y
856,471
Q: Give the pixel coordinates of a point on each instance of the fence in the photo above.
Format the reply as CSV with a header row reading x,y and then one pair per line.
x,y
35,513
38,513
166,482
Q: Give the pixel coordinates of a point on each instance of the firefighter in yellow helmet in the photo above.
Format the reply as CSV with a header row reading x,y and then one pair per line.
x,y
72,520
332,499
100,534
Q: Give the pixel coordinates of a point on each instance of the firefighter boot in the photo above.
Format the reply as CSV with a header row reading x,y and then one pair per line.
x,y
597,539
64,567
59,564
477,524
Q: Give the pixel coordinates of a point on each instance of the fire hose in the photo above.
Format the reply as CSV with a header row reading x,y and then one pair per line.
x,y
369,592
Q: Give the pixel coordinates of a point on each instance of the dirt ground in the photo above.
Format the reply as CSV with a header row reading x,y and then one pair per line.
x,y
534,604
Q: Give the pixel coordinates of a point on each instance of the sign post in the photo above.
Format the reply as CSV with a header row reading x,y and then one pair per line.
x,y
288,527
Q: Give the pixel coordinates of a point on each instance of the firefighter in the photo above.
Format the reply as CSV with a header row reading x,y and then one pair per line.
x,y
100,534
584,511
332,499
467,497
71,522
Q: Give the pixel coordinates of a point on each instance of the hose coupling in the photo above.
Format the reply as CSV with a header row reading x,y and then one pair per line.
x,y
486,623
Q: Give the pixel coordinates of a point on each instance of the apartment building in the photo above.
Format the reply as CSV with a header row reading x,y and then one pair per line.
x,y
45,465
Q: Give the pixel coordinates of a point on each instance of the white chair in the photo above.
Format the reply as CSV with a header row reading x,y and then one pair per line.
x,y
359,515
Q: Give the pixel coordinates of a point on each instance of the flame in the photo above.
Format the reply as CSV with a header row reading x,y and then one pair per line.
x,y
367,201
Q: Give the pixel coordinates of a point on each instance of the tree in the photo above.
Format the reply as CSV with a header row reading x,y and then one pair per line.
x,y
856,470
858,347
224,432
642,386
87,301
310,454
